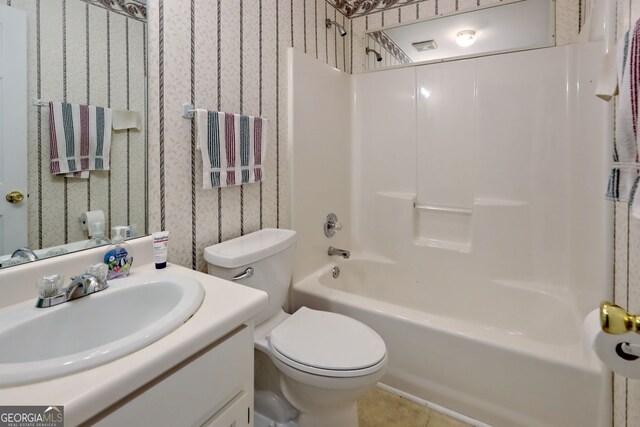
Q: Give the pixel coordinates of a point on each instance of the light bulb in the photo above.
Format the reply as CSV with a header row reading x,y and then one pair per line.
x,y
466,38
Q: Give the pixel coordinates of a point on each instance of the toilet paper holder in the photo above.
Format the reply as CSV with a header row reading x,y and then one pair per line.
x,y
616,320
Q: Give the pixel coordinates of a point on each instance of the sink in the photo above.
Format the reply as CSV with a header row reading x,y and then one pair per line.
x,y
42,343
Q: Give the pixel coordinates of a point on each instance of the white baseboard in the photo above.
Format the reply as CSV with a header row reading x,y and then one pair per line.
x,y
431,405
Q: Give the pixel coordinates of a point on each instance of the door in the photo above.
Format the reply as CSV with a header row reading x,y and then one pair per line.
x,y
13,129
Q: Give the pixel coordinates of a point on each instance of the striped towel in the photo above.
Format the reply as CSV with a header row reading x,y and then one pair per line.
x,y
80,138
623,175
233,148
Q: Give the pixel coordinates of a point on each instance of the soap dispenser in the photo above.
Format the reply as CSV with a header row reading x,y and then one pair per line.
x,y
118,257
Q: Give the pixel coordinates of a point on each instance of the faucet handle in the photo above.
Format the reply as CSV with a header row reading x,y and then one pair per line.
x,y
335,225
50,286
99,271
331,225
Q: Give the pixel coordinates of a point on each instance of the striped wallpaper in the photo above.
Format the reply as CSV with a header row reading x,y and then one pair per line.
x,y
82,53
227,55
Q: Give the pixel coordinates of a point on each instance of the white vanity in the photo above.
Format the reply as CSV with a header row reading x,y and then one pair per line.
x,y
199,374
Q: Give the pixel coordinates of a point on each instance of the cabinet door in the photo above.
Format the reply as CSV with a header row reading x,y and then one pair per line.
x,y
237,414
196,392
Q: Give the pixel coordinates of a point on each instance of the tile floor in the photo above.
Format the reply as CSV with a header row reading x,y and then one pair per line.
x,y
380,408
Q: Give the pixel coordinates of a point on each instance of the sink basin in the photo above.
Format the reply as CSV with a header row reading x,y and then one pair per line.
x,y
43,343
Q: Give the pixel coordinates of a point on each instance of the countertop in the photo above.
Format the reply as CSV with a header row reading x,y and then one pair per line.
x,y
225,307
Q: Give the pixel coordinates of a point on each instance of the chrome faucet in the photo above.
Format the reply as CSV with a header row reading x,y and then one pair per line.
x,y
25,253
340,252
95,280
84,285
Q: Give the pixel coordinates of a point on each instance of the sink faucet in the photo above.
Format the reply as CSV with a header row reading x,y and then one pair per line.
x,y
94,280
25,253
84,285
340,252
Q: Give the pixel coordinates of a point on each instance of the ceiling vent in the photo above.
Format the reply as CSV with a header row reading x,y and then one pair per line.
x,y
425,45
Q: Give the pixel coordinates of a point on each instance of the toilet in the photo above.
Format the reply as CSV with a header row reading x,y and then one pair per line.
x,y
311,366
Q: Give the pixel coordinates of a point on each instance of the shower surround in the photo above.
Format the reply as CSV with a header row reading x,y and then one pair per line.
x,y
473,205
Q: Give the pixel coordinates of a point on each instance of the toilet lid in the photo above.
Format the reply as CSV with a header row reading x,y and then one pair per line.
x,y
325,340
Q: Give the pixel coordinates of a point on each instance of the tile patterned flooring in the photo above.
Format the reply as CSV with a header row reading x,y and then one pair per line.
x,y
380,408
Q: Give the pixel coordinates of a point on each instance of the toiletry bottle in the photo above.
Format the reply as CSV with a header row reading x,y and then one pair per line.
x,y
160,247
118,257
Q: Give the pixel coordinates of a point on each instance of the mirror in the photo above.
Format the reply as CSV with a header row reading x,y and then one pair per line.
x,y
89,52
503,27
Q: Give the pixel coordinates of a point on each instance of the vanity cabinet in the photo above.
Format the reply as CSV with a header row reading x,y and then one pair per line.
x,y
213,388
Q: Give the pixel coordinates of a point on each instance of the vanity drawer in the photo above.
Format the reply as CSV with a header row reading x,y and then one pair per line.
x,y
196,390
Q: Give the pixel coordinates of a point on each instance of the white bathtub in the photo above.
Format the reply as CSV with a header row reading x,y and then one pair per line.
x,y
506,355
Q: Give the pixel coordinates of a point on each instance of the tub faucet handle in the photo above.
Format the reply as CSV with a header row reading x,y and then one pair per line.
x,y
331,225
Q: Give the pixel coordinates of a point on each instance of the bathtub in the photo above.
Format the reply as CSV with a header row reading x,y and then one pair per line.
x,y
507,356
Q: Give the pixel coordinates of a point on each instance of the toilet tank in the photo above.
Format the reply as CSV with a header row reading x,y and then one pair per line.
x,y
269,252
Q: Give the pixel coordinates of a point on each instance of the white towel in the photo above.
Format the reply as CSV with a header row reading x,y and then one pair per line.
x,y
80,138
233,148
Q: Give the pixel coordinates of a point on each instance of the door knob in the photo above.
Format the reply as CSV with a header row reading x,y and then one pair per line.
x,y
15,197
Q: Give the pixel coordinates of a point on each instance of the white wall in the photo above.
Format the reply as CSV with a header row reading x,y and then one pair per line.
x,y
519,140
319,149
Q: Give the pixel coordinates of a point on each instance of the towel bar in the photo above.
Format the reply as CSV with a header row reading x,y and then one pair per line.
x,y
447,209
188,111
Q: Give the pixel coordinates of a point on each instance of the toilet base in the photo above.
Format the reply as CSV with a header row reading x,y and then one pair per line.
x,y
261,420
320,410
272,410
344,418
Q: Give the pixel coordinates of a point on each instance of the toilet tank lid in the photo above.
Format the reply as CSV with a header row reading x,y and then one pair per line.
x,y
249,248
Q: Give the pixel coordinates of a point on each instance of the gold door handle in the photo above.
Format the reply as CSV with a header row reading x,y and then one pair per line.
x,y
15,197
615,319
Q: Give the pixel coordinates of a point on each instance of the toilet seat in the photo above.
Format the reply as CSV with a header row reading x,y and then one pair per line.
x,y
327,344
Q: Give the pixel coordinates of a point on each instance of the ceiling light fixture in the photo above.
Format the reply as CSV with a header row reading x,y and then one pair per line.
x,y
466,38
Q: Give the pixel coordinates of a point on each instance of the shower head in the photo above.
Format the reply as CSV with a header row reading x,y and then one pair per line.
x,y
378,56
340,28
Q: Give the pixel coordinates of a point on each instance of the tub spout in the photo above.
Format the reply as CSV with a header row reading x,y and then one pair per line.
x,y
340,252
